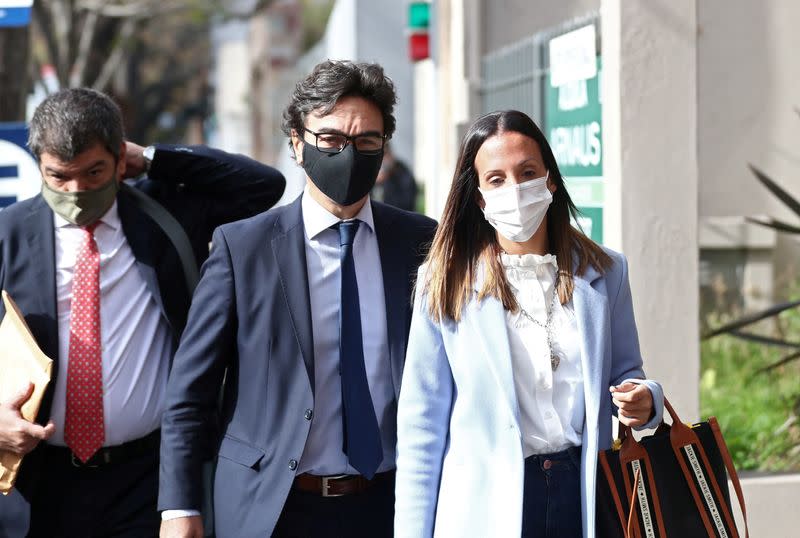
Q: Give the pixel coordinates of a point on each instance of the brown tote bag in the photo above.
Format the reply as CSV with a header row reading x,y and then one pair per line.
x,y
672,483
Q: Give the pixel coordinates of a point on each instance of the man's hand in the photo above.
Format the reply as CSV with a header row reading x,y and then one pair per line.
x,y
17,435
635,403
182,527
134,160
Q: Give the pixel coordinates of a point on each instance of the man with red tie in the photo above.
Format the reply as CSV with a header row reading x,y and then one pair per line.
x,y
103,292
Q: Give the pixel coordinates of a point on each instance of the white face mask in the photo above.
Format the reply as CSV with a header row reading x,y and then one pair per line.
x,y
516,211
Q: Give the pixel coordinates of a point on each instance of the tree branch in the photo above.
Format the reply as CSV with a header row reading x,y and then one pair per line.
x,y
131,8
43,23
62,20
78,71
115,58
229,14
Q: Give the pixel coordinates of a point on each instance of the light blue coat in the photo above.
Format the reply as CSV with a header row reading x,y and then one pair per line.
x,y
460,466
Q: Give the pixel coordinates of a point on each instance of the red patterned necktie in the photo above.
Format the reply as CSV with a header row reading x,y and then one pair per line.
x,y
84,432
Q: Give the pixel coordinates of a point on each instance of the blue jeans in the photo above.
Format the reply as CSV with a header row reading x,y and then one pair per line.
x,y
551,504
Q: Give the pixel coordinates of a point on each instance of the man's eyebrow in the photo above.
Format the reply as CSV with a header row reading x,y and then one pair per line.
x,y
51,170
95,164
328,130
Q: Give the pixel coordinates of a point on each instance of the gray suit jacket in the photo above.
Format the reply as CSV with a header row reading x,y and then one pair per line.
x,y
251,314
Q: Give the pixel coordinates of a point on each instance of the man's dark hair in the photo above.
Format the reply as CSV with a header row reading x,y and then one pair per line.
x,y
71,121
330,81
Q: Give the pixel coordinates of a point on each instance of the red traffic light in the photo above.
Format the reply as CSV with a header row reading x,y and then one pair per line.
x,y
419,46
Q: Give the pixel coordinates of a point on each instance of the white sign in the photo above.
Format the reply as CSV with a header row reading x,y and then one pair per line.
x,y
573,56
23,179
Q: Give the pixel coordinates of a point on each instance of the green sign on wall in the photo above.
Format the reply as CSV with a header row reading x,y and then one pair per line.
x,y
573,128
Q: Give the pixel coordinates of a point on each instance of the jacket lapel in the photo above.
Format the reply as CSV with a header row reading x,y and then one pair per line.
x,y
396,289
592,316
41,253
289,250
487,320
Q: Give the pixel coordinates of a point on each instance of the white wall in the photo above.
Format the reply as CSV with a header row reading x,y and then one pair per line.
x,y
748,91
232,85
650,168
508,21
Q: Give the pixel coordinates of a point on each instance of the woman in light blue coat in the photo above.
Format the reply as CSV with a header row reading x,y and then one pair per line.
x,y
523,344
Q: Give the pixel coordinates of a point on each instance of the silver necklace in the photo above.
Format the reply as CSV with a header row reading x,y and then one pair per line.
x,y
555,360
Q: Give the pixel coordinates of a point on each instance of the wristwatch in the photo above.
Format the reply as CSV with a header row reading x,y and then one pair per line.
x,y
148,154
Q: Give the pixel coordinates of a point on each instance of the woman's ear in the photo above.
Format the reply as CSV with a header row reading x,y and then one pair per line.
x,y
551,186
479,200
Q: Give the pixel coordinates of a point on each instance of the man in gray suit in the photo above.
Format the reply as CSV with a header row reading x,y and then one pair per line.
x,y
308,308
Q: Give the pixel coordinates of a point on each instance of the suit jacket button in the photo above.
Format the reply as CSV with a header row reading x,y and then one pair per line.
x,y
292,464
308,414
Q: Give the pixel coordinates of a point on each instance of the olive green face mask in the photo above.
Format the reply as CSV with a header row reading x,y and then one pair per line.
x,y
83,207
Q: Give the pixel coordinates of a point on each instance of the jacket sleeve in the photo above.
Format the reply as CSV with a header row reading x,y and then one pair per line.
x,y
188,431
423,418
626,362
234,186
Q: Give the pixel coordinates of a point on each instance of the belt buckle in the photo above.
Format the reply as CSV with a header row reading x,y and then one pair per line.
x,y
326,485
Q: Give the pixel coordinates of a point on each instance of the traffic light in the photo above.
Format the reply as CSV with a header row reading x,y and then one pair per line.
x,y
419,17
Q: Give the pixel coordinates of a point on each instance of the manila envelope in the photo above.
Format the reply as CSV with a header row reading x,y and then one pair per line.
x,y
21,362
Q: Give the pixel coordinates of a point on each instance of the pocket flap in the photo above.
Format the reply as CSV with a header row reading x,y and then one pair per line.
x,y
240,452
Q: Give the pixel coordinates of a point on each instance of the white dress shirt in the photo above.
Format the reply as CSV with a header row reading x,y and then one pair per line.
x,y
323,454
551,403
135,338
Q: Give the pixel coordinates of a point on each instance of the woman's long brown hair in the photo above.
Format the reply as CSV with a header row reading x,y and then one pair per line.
x,y
466,243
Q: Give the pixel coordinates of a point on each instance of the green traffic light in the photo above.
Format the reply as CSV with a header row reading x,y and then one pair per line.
x,y
419,14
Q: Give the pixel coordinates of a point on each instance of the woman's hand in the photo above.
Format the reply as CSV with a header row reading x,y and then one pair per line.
x,y
635,403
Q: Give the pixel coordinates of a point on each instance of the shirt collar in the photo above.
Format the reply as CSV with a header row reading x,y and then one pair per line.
x,y
110,218
317,219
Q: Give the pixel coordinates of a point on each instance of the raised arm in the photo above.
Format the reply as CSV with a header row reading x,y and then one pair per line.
x,y
229,186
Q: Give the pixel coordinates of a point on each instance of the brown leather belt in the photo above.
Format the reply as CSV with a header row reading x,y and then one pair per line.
x,y
338,485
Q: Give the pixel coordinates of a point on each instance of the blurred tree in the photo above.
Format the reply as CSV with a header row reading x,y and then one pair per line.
x,y
151,55
315,18
14,47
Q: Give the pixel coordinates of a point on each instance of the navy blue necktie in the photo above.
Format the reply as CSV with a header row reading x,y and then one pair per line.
x,y
362,438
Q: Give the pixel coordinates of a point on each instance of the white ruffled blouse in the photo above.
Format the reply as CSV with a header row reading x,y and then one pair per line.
x,y
551,403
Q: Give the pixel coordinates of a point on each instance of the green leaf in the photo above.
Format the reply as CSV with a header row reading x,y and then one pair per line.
x,y
775,189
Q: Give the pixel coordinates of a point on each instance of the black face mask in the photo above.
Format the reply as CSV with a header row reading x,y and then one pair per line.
x,y
344,177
